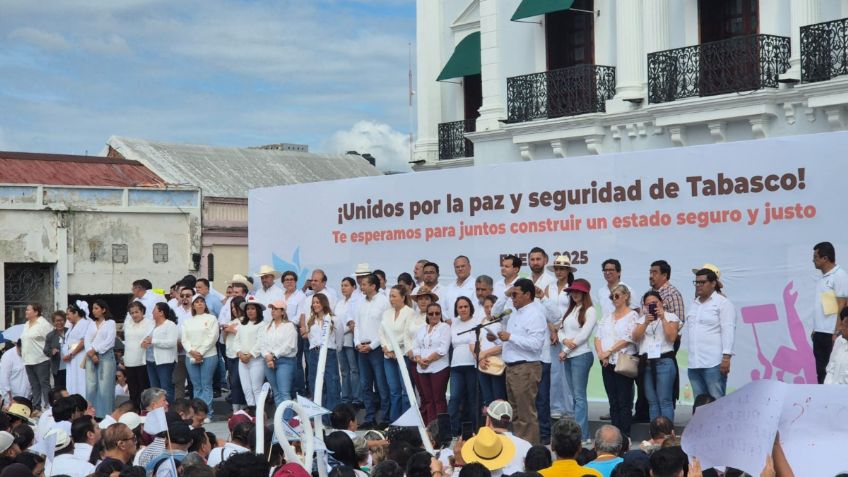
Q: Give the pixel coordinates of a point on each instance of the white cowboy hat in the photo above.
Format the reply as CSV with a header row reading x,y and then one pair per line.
x,y
267,270
562,261
239,279
362,269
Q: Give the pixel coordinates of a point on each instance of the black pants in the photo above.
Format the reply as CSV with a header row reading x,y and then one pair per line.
x,y
137,382
620,394
822,347
59,379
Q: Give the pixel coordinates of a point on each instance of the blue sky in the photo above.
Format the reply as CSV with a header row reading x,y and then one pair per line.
x,y
328,73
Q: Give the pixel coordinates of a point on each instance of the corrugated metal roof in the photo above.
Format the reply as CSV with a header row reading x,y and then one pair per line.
x,y
232,172
63,169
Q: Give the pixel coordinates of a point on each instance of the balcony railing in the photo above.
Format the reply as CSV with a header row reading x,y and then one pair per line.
x,y
744,63
824,50
564,92
452,142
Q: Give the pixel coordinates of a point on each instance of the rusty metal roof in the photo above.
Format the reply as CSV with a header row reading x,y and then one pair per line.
x,y
64,169
232,172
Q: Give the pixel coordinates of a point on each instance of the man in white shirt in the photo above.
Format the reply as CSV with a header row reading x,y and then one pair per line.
x,y
522,337
831,294
710,326
64,460
268,292
366,339
142,291
538,259
85,432
612,274
483,287
430,278
183,312
499,418
418,273
13,376
463,286
319,285
510,265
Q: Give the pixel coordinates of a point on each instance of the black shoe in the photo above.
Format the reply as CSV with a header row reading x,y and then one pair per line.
x,y
606,417
216,394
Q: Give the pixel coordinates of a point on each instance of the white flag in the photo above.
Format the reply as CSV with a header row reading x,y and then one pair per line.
x,y
409,419
50,447
155,422
311,408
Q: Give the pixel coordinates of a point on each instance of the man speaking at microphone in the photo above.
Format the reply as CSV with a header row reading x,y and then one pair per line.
x,y
523,336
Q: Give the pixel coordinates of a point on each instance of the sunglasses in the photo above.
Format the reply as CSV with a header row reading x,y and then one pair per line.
x,y
615,296
434,313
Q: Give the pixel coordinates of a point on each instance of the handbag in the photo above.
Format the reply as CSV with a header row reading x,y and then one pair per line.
x,y
496,366
627,365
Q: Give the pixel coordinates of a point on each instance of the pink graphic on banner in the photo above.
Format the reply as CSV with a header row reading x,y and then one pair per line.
x,y
797,361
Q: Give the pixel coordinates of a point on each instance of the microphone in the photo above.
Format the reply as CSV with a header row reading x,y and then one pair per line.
x,y
502,314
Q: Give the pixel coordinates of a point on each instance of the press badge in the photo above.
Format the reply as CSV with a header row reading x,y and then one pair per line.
x,y
654,351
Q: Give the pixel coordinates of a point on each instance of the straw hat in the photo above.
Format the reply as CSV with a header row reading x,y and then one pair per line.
x,y
268,270
362,269
21,411
240,279
62,439
562,261
492,450
424,290
709,266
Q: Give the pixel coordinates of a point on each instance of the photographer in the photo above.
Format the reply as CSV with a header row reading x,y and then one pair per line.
x,y
656,332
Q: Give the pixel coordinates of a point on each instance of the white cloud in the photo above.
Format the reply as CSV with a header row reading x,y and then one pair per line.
x,y
389,147
42,39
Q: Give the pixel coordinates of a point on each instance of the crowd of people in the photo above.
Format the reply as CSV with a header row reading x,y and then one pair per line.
x,y
508,353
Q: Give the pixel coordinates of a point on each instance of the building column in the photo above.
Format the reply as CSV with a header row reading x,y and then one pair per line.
x,y
630,64
655,26
3,296
493,82
801,12
428,91
60,285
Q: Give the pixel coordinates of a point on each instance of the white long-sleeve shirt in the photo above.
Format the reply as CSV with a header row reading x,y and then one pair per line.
x,y
395,326
101,339
335,333
266,297
570,329
278,340
428,341
528,329
710,326
413,324
346,311
32,341
164,339
13,377
369,318
199,333
134,333
247,338
462,355
149,300
454,291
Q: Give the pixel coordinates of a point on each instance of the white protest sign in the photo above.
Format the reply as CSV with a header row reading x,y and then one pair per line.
x,y
814,428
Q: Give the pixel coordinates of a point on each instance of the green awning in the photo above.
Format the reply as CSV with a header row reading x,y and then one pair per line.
x,y
531,8
465,60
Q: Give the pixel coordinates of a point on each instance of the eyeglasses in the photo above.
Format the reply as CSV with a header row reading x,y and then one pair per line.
x,y
434,313
699,282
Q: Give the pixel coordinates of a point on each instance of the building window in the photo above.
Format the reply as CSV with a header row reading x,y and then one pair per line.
x,y
723,19
570,36
472,90
160,253
120,253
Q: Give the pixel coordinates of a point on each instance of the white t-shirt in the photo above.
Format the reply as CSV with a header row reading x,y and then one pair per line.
x,y
832,284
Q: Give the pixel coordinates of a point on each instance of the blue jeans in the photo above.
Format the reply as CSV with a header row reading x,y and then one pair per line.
x,y
161,376
100,383
236,395
350,375
660,392
372,375
281,378
299,385
397,393
201,376
462,406
707,381
221,368
543,403
492,387
562,402
330,394
576,371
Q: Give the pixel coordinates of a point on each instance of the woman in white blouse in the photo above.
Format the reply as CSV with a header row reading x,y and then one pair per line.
x,y
278,345
656,331
430,351
199,334
36,363
136,329
100,360
491,386
161,346
392,329
297,306
246,343
229,330
463,401
577,326
615,335
418,320
73,354
346,309
323,327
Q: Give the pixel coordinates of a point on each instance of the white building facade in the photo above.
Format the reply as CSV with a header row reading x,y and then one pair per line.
x,y
540,79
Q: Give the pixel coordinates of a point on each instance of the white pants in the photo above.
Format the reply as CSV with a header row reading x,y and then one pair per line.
x,y
252,375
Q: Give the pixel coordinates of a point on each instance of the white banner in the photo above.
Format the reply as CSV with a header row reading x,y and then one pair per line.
x,y
755,209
